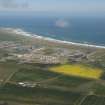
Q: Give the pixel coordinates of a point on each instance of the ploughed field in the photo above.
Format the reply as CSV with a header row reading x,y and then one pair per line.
x,y
78,70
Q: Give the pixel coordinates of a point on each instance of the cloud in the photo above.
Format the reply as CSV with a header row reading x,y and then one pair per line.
x,y
13,4
62,23
70,7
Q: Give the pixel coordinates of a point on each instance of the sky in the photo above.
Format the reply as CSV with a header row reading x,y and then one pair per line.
x,y
60,6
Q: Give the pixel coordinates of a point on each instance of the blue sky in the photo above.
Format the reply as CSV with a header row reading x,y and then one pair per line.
x,y
68,6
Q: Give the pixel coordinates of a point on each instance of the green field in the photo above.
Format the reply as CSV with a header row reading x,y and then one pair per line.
x,y
47,78
38,95
66,82
7,69
94,100
54,88
45,96
35,74
99,89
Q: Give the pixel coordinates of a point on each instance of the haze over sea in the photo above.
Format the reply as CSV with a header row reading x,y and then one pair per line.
x,y
89,30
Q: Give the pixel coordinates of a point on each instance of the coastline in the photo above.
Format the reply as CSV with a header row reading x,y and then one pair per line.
x,y
22,32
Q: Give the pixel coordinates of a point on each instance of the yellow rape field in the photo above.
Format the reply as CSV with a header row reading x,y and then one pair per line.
x,y
78,70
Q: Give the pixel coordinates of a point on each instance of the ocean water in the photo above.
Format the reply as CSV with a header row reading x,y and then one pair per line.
x,y
83,30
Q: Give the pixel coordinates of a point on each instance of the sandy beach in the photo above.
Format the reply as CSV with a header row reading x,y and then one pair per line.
x,y
51,40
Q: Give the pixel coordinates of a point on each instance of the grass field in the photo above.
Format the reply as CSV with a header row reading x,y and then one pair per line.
x,y
35,74
10,68
37,95
94,100
7,69
99,89
47,78
78,70
67,82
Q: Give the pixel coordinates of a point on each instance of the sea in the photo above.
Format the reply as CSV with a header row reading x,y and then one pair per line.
x,y
88,30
